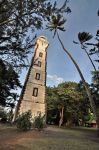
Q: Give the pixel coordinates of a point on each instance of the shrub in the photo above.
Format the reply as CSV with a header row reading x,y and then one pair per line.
x,y
39,122
24,121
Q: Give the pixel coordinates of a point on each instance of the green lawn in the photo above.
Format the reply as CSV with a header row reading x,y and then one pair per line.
x,y
51,138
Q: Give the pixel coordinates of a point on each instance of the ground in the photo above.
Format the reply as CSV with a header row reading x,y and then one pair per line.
x,y
52,138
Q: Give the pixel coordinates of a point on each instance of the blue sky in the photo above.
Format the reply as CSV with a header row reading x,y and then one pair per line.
x,y
59,67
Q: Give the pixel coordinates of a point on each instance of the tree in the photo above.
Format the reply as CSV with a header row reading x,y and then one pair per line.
x,y
24,121
68,99
95,87
84,105
19,20
55,24
66,103
8,82
94,50
52,109
83,37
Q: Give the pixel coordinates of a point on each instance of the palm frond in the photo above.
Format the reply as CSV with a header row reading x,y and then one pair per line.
x,y
97,34
62,22
56,23
59,16
54,33
64,8
98,12
84,36
75,42
61,28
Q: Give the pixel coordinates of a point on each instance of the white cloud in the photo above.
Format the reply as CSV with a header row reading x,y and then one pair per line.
x,y
55,78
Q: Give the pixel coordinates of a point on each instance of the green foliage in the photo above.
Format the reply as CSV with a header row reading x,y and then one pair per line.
x,y
17,18
8,81
39,122
95,87
70,95
24,121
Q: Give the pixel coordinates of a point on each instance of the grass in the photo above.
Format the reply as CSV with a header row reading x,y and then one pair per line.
x,y
51,138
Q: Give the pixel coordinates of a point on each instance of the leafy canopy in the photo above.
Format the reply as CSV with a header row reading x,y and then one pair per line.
x,y
19,23
8,82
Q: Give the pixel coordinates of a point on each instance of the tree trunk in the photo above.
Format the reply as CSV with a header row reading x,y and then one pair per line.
x,y
61,116
90,59
98,129
92,103
69,121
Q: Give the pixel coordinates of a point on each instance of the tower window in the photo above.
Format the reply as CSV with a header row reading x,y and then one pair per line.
x,y
40,54
39,63
35,92
37,76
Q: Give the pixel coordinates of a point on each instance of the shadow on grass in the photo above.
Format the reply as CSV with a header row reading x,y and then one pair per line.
x,y
80,133
13,147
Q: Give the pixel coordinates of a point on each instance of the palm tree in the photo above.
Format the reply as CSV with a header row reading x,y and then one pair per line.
x,y
83,37
57,23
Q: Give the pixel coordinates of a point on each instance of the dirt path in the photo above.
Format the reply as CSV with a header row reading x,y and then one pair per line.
x,y
51,138
10,137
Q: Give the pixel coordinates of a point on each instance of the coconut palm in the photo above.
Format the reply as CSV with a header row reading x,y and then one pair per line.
x,y
83,37
57,23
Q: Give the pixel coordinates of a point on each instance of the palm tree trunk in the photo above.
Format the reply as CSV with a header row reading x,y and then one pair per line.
x,y
90,59
92,103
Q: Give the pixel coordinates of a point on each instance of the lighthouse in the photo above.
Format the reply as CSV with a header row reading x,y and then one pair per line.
x,y
33,94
